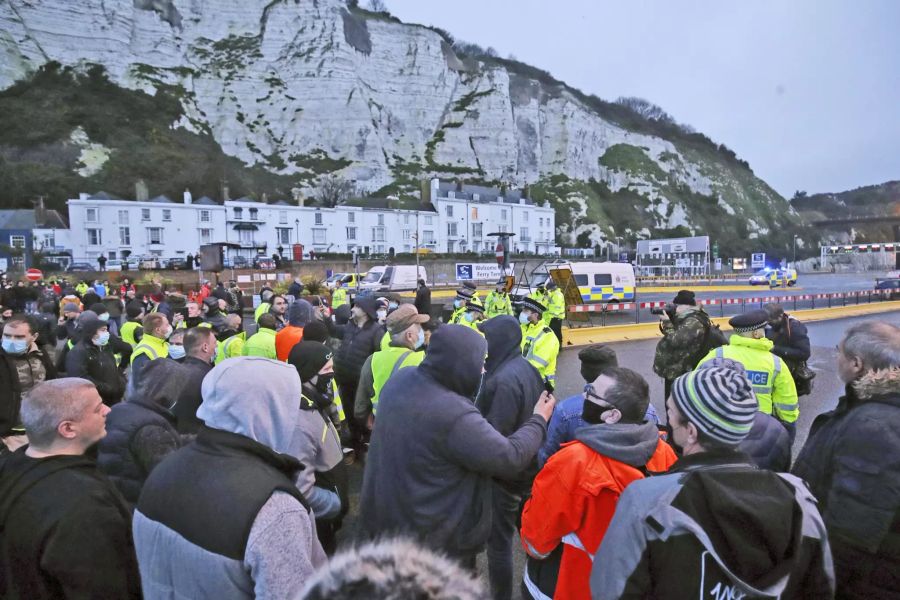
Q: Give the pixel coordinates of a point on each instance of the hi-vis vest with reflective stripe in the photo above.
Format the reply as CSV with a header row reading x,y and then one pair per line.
x,y
540,347
772,382
229,347
338,298
128,330
497,303
387,362
151,346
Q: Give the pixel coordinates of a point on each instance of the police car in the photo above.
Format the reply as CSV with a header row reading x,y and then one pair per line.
x,y
774,277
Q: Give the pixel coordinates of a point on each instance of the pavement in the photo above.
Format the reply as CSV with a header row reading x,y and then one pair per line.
x,y
638,355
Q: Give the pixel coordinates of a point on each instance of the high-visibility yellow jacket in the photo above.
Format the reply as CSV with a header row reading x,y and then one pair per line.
x,y
262,309
387,362
231,347
338,297
556,306
540,347
151,346
127,332
457,315
261,343
496,304
471,324
771,380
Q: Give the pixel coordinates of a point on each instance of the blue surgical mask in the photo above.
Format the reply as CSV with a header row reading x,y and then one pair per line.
x,y
176,352
421,341
457,303
470,317
523,317
104,317
392,305
11,346
102,340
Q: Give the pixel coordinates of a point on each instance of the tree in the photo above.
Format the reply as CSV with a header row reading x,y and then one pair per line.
x,y
333,190
377,6
645,108
799,195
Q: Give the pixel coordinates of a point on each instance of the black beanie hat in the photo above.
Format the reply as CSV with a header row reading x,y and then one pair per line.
x,y
308,357
98,308
595,359
315,332
134,309
685,297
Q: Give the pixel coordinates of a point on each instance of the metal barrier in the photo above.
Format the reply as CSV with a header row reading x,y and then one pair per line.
x,y
791,302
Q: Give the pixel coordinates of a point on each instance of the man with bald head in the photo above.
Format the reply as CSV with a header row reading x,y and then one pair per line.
x,y
66,530
851,462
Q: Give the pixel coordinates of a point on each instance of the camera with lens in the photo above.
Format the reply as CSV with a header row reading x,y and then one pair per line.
x,y
668,310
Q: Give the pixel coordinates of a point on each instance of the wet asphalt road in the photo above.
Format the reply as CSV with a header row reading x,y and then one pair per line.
x,y
638,355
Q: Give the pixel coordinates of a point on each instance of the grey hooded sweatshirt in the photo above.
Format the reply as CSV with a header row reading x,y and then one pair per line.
x,y
221,517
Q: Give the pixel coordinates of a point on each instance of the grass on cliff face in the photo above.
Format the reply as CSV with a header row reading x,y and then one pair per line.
x,y
37,116
632,160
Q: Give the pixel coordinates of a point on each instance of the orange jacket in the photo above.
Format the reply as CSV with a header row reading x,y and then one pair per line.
x,y
286,339
572,501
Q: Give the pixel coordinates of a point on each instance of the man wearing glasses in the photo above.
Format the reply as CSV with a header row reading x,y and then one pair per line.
x,y
574,496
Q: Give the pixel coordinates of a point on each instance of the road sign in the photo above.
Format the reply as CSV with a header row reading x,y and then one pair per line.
x,y
500,254
463,272
758,260
718,265
34,275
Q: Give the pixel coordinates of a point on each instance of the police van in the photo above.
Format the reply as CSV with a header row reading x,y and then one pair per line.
x,y
596,281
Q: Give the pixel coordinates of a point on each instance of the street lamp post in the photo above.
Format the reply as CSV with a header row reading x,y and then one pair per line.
x,y
795,251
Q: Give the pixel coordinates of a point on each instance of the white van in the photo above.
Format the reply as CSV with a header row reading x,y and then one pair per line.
x,y
596,281
393,278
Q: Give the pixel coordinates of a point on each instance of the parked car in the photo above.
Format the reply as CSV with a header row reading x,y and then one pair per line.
x,y
892,284
774,277
114,264
263,262
149,263
80,266
174,264
239,262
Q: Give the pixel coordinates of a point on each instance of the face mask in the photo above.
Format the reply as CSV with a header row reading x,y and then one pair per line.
x,y
523,318
457,303
168,333
176,352
392,305
592,412
102,340
104,317
215,355
381,313
15,346
421,339
323,384
470,317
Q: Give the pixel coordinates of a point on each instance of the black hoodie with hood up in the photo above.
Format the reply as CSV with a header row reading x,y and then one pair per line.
x,y
65,532
433,455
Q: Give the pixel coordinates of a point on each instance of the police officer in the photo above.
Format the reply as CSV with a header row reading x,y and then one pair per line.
x,y
556,309
540,294
539,346
474,315
769,376
153,345
132,330
339,296
498,302
463,295
791,343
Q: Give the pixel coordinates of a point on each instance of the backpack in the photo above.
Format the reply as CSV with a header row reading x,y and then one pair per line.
x,y
712,339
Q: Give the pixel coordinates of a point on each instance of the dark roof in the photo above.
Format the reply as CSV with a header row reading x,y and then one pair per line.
x,y
52,220
245,227
161,199
17,219
101,195
281,203
206,200
485,194
388,204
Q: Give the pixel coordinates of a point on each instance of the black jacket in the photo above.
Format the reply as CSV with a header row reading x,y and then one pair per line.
x,y
97,365
356,346
851,462
511,387
139,434
433,456
768,445
423,300
791,342
714,526
64,531
11,390
185,410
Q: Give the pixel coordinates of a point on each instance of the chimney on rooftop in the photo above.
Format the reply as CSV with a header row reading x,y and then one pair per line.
x,y
188,199
39,212
141,193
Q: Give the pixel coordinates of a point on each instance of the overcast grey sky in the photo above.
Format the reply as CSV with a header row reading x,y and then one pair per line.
x,y
807,91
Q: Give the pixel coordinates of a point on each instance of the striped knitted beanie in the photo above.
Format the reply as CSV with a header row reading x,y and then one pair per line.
x,y
718,401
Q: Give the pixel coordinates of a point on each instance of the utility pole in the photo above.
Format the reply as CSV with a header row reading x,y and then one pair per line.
x,y
416,237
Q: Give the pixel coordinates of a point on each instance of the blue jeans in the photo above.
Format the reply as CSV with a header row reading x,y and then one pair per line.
x,y
504,514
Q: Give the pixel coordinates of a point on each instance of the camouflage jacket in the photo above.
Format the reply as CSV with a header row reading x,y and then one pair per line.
x,y
680,348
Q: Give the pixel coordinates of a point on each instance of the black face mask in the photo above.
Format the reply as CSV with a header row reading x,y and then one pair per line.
x,y
323,385
592,412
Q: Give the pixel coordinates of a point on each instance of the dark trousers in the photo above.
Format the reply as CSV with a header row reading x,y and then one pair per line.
x,y
504,515
556,326
358,431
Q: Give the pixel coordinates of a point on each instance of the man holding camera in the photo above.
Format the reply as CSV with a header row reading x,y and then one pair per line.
x,y
684,326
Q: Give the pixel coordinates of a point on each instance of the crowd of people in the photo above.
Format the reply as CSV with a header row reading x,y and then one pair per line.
x,y
163,445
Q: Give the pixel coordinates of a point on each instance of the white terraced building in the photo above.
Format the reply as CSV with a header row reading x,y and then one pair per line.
x,y
458,219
